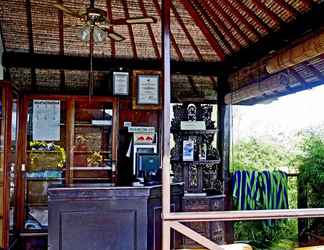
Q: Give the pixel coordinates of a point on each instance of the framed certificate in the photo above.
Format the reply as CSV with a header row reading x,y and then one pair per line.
x,y
147,90
120,83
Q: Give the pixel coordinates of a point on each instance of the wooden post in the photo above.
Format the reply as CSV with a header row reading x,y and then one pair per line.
x,y
115,141
166,4
6,133
22,160
70,115
223,145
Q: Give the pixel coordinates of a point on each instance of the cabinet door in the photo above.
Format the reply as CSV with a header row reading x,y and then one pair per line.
x,y
93,134
45,158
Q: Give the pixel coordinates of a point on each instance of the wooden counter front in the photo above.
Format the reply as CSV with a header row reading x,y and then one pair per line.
x,y
99,217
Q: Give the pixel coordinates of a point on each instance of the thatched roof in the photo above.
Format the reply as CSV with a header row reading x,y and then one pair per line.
x,y
224,33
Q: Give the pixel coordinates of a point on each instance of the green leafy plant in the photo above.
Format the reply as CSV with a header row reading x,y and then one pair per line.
x,y
310,162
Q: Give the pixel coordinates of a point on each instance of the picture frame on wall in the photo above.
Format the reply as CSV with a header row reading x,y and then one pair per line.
x,y
147,90
121,83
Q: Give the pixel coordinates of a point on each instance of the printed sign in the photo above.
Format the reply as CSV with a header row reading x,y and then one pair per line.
x,y
134,129
193,125
120,83
148,89
46,120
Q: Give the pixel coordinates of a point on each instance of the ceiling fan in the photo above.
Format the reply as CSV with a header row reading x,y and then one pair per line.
x,y
96,25
97,21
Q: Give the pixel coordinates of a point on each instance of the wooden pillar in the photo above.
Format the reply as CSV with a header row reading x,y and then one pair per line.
x,y
224,144
70,116
166,53
21,163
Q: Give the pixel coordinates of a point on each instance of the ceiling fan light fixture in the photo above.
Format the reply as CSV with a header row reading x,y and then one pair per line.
x,y
98,35
84,33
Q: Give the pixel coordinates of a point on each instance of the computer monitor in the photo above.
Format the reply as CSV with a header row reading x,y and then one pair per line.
x,y
148,167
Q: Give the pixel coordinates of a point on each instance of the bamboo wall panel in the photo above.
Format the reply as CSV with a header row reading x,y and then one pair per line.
x,y
272,84
305,51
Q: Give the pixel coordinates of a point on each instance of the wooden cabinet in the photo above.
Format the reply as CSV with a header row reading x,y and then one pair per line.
x,y
212,230
92,144
202,175
84,217
80,148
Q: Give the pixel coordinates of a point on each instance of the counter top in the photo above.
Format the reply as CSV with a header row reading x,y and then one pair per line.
x,y
106,191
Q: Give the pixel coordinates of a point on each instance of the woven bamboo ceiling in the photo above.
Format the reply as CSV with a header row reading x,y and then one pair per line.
x,y
42,48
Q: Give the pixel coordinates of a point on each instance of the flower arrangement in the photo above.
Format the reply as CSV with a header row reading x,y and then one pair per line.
x,y
95,159
55,160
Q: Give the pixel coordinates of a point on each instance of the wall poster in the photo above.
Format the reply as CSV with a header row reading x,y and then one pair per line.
x,y
46,120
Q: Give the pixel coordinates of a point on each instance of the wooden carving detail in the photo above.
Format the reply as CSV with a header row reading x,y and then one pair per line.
x,y
204,173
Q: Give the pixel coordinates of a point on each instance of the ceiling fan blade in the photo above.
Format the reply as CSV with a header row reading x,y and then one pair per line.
x,y
115,36
104,26
73,25
66,10
140,20
134,20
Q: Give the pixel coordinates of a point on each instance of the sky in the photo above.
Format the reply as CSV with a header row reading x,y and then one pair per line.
x,y
284,116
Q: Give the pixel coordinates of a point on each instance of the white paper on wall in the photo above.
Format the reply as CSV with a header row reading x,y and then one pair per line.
x,y
46,120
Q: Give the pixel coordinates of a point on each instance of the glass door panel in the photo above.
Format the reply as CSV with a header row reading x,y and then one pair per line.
x,y
46,157
92,149
12,166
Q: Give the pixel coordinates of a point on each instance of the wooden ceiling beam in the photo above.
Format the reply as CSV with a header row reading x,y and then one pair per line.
x,y
2,38
130,29
193,85
314,70
180,56
239,16
267,11
176,48
149,28
173,41
204,29
184,28
287,7
291,90
61,35
110,17
42,61
212,25
237,29
192,43
308,3
295,74
209,11
252,15
31,41
306,24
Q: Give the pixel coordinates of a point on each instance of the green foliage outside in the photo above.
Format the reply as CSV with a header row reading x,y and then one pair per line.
x,y
310,162
255,155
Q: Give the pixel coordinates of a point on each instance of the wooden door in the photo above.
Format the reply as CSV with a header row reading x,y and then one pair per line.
x,y
5,139
13,170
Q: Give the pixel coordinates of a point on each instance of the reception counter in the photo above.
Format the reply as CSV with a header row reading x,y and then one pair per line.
x,y
99,217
